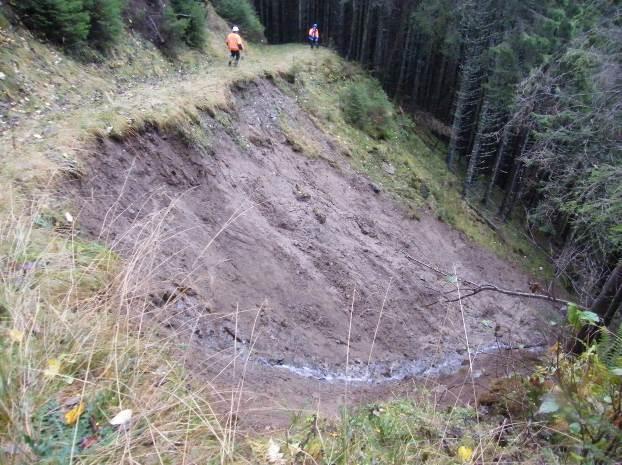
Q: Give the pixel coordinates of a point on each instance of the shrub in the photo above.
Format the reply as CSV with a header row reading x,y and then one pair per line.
x,y
106,22
582,396
366,106
64,22
241,13
184,22
73,23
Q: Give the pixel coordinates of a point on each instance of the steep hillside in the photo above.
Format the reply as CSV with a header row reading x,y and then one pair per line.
x,y
251,232
192,254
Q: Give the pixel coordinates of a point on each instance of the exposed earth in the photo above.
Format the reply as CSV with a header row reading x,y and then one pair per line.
x,y
274,260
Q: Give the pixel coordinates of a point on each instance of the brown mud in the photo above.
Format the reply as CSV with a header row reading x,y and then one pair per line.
x,y
274,264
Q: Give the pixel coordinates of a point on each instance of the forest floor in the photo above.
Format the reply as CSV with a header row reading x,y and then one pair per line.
x,y
264,254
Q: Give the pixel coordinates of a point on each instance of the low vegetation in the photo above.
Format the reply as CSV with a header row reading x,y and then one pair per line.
x,y
73,24
366,106
241,13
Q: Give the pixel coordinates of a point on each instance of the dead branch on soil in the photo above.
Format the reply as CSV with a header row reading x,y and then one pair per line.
x,y
476,288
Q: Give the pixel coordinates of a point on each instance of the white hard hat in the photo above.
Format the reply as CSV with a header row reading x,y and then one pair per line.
x,y
235,29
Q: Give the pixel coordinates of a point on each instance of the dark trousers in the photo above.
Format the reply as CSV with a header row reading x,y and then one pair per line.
x,y
235,56
315,43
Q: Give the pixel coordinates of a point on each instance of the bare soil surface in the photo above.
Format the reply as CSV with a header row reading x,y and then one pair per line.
x,y
274,266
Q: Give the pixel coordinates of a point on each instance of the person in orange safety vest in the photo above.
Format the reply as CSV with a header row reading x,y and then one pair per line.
x,y
314,36
235,45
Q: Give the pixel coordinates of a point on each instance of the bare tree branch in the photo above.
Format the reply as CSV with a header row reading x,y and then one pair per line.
x,y
475,288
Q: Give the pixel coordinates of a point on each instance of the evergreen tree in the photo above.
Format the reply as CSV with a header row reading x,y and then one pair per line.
x,y
64,22
184,23
243,14
106,22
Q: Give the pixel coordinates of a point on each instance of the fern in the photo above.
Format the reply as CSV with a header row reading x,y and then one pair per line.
x,y
609,348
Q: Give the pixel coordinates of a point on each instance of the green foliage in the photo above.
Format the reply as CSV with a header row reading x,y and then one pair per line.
x,y
73,24
106,22
396,433
243,14
609,349
581,399
64,22
53,439
184,23
579,318
366,106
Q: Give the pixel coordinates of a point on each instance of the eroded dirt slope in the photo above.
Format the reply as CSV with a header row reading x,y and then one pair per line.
x,y
246,222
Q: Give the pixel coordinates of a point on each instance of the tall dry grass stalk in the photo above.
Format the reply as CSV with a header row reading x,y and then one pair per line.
x,y
74,321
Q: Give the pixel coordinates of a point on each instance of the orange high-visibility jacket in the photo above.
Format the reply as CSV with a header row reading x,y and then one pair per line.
x,y
314,33
234,42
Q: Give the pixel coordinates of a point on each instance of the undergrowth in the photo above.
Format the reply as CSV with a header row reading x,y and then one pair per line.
x,y
367,107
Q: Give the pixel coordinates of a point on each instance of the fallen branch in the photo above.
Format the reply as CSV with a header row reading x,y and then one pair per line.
x,y
528,295
475,288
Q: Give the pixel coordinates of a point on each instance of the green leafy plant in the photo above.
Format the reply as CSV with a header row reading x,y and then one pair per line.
x,y
583,404
579,318
581,397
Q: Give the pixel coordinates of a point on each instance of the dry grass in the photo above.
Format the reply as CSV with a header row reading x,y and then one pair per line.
x,y
75,303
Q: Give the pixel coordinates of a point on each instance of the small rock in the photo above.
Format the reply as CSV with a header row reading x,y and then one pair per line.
x,y
2,76
375,187
367,227
300,194
321,217
388,168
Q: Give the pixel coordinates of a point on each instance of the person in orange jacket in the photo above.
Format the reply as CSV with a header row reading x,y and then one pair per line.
x,y
314,36
235,45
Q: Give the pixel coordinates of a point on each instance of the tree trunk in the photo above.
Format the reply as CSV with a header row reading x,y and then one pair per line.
x,y
403,62
498,163
511,192
608,295
474,160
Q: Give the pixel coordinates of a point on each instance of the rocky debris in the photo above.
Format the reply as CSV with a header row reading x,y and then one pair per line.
x,y
366,226
321,217
277,253
375,187
301,195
